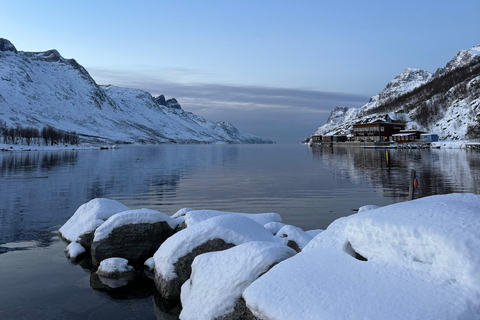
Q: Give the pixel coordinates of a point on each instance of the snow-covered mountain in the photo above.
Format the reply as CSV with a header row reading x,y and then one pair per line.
x,y
446,102
43,88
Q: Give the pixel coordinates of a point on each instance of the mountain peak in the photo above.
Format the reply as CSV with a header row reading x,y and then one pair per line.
x,y
6,45
463,58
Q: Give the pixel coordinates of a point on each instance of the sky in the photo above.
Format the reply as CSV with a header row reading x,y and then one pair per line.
x,y
272,68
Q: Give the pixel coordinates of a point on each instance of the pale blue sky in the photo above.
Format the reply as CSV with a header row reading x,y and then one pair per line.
x,y
273,68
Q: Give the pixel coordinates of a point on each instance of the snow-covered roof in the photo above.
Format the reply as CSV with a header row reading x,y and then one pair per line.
x,y
423,263
403,134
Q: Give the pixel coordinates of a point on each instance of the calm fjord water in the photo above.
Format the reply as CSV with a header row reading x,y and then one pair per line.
x,y
308,187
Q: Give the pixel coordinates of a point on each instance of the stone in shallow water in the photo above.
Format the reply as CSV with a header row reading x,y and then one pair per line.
x,y
134,235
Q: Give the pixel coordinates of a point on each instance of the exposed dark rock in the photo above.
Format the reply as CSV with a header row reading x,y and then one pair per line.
x,y
240,312
292,244
173,103
170,289
134,242
6,45
161,100
86,239
165,308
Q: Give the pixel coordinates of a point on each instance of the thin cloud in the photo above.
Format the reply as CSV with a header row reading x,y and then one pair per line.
x,y
265,111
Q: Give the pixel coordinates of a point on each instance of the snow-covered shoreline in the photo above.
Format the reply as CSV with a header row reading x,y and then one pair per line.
x,y
410,260
21,147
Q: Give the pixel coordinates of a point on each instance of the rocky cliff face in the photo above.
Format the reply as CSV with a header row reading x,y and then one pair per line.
x,y
446,103
43,88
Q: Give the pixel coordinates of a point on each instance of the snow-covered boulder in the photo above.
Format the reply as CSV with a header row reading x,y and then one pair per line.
x,y
218,279
174,257
294,237
134,235
273,227
112,273
196,216
115,268
88,217
422,263
74,251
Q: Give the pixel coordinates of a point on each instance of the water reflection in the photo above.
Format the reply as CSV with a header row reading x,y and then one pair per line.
x,y
439,171
41,190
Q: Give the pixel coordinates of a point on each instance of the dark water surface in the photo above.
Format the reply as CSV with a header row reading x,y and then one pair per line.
x,y
308,187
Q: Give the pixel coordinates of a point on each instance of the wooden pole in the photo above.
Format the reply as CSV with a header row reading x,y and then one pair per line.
x,y
411,189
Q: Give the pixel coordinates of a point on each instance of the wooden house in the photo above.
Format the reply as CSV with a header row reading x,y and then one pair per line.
x,y
317,139
407,136
376,131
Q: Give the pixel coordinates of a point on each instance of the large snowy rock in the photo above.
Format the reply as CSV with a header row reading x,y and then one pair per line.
x,y
195,216
134,235
423,263
174,257
219,278
88,217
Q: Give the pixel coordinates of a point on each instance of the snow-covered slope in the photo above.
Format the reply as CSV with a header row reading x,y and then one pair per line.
x,y
446,102
43,88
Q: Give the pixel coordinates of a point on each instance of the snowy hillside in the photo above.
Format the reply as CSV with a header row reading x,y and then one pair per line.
x,y
43,88
446,102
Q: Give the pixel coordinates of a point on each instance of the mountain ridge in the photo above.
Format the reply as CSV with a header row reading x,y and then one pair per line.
x,y
446,102
43,88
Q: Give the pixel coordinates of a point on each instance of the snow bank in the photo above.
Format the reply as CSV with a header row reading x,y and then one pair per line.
x,y
423,263
368,207
235,229
219,278
273,227
314,233
131,217
89,216
196,216
182,212
291,233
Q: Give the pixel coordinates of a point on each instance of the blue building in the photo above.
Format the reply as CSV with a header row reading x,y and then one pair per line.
x,y
429,137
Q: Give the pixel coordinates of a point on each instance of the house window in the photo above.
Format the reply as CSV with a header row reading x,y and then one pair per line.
x,y
382,129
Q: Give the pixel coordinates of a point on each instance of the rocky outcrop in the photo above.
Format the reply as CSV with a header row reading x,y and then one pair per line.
x,y
6,45
173,103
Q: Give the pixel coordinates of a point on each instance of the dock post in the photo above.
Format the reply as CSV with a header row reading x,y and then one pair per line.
x,y
411,188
